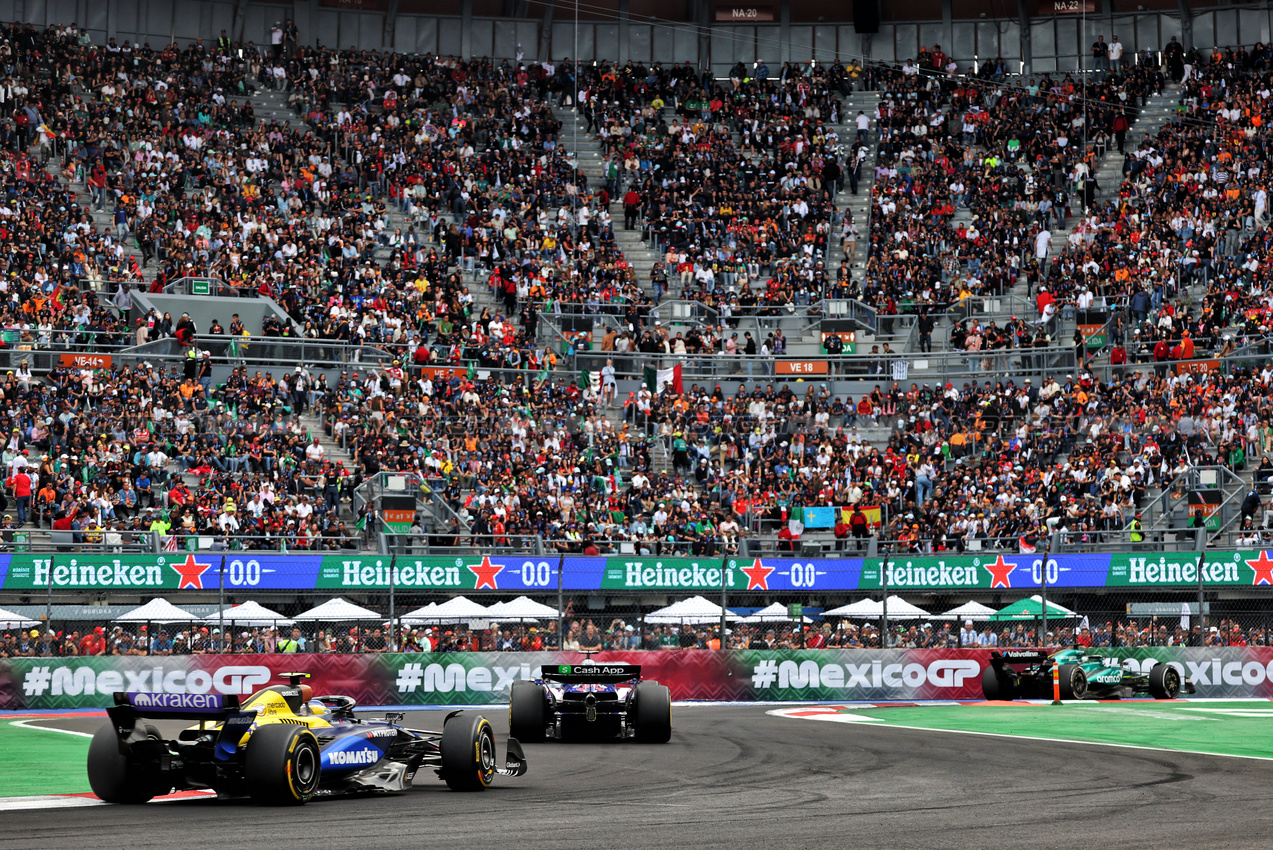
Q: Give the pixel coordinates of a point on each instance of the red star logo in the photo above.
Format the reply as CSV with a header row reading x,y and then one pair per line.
x,y
1263,567
999,572
191,573
757,575
486,573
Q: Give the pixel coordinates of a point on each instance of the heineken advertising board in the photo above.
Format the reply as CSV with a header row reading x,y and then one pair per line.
x,y
179,571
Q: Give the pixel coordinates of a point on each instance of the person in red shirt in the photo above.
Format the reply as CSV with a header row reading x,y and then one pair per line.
x,y
94,643
21,483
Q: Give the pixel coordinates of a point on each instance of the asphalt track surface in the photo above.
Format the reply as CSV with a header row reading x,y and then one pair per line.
x,y
736,777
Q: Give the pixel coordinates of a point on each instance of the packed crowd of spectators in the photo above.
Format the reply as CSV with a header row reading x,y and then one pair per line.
x,y
105,456
590,635
734,181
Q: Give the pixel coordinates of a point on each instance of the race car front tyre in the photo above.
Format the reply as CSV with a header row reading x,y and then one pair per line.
x,y
997,685
282,765
527,712
652,705
468,753
115,776
1073,681
1164,681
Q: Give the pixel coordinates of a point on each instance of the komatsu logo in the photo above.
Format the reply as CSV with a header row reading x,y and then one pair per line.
x,y
353,757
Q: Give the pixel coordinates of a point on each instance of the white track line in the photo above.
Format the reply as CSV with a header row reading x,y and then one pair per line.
x,y
833,719
18,804
23,724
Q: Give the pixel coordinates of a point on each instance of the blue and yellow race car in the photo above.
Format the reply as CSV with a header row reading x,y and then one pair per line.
x,y
282,746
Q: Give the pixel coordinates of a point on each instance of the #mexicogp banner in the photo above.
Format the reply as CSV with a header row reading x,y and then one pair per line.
x,y
527,574
485,678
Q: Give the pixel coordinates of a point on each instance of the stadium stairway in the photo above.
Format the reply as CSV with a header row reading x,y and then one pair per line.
x,y
591,161
1158,110
860,204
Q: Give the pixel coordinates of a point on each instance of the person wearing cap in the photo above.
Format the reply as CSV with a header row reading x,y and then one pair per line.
x,y
968,635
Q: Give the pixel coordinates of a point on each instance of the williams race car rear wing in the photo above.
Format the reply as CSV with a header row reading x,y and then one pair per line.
x,y
175,706
592,674
132,706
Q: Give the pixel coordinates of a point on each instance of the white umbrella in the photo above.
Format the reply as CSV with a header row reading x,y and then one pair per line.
x,y
339,611
696,609
521,608
249,614
870,609
775,613
968,611
457,610
157,611
419,615
10,620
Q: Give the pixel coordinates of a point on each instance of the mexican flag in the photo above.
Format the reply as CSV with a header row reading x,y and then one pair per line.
x,y
590,382
657,379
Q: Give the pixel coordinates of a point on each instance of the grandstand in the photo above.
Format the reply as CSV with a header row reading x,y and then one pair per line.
x,y
698,291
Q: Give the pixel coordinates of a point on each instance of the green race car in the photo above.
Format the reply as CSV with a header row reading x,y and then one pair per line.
x,y
1081,677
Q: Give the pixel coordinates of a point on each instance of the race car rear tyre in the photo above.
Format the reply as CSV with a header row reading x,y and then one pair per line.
x,y
468,753
1073,681
117,778
996,685
1164,681
282,765
652,705
527,712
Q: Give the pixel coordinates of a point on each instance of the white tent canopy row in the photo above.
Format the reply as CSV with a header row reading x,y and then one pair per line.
x,y
696,609
249,614
872,609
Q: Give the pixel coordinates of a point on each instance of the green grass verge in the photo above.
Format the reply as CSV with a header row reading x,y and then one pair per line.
x,y
1224,728
36,761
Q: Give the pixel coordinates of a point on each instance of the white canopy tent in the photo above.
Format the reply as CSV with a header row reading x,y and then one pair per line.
x,y
968,611
696,609
419,616
521,608
775,613
249,614
458,610
338,611
871,609
157,610
10,620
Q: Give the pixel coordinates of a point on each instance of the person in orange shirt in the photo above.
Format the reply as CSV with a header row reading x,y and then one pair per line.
x,y
1186,346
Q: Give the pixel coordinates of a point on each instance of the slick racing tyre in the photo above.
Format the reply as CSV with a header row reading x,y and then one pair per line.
x,y
652,705
527,713
282,765
116,776
997,686
1164,681
1073,681
468,753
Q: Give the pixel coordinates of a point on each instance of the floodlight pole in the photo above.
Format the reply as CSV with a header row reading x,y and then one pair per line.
x,y
884,610
221,607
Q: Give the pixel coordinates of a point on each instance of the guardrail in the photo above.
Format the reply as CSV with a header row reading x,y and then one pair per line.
x,y
942,367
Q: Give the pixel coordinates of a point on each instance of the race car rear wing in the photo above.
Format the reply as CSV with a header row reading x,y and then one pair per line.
x,y
596,674
176,706
1020,656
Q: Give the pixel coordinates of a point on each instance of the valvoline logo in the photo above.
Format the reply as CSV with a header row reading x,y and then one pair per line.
x,y
351,753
